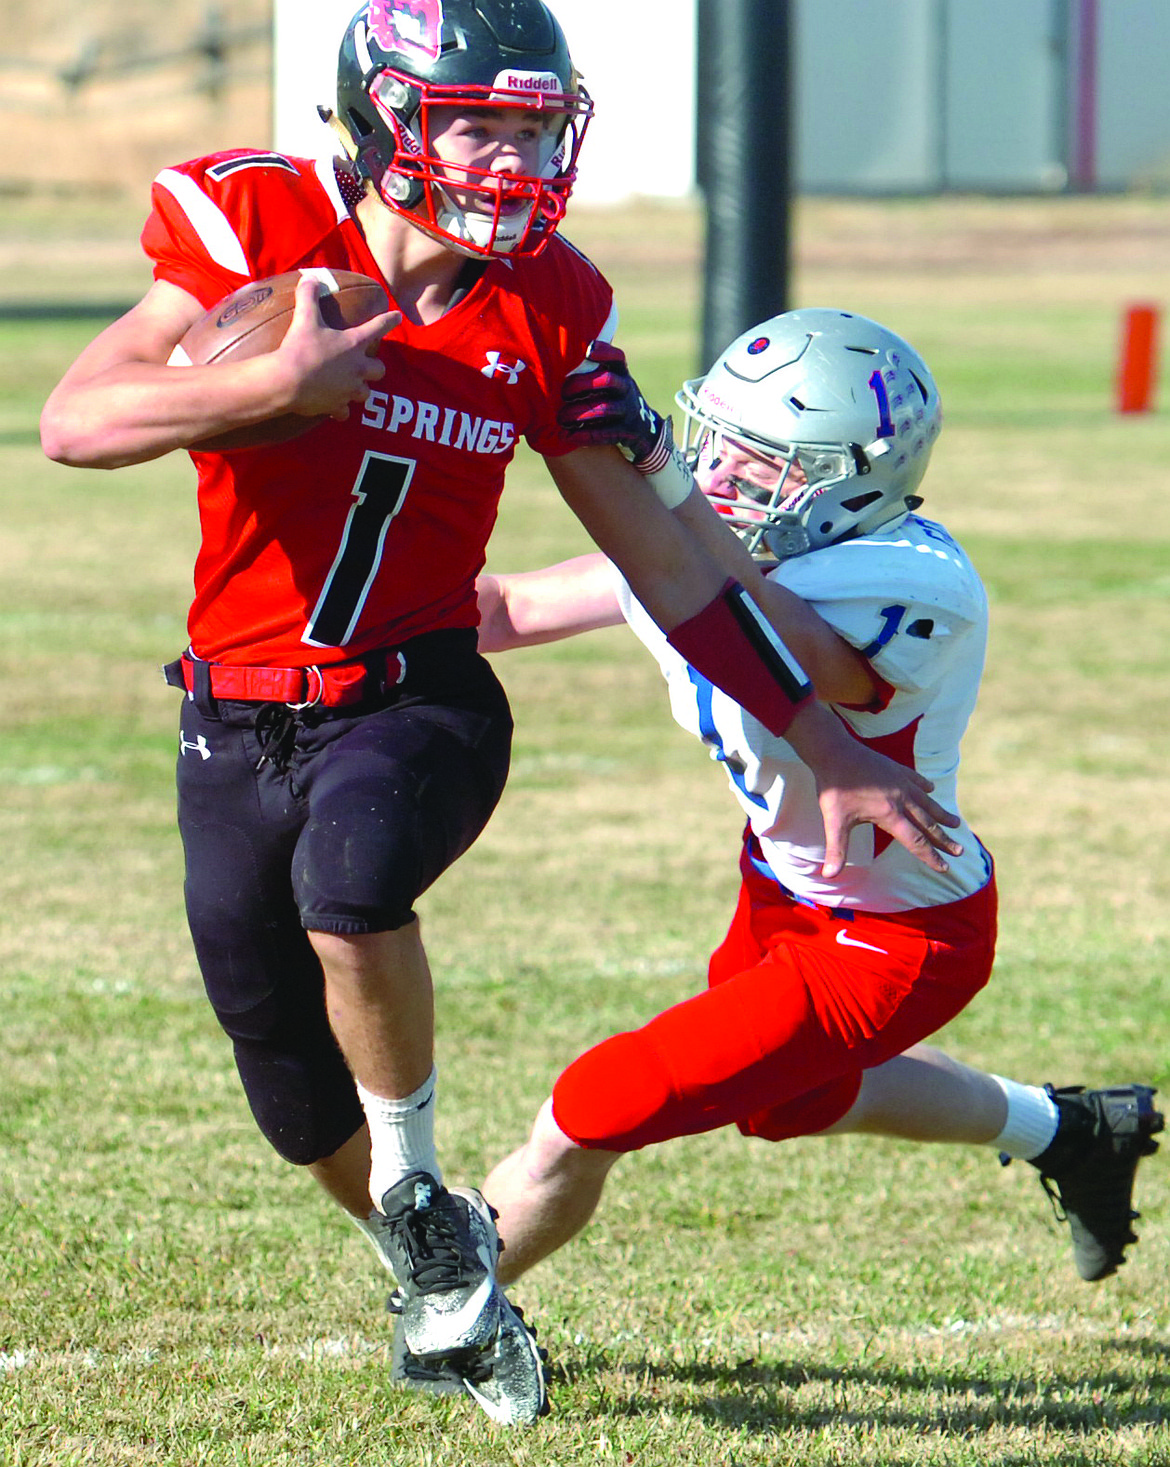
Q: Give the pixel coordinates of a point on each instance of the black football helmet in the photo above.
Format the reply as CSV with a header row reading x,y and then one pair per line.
x,y
399,58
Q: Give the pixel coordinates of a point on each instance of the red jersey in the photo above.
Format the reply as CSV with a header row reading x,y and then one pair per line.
x,y
358,535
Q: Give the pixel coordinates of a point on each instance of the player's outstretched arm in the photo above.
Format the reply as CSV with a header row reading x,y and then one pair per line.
x,y
669,572
839,672
525,608
603,405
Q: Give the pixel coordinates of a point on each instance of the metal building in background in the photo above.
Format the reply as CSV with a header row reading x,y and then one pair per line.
x,y
1003,96
910,97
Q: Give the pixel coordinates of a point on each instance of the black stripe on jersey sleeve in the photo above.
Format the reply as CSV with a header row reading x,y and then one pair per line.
x,y
220,171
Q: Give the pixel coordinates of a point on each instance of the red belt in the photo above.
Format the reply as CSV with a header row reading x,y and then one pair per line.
x,y
303,687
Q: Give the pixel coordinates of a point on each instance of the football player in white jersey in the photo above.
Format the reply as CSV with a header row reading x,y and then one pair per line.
x,y
810,436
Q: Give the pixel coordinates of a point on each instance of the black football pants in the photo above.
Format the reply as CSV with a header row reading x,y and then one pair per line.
x,y
332,821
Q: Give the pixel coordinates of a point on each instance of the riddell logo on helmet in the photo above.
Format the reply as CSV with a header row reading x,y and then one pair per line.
x,y
711,399
415,25
527,81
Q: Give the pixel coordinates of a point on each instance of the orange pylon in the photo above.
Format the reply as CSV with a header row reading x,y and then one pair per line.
x,y
1139,357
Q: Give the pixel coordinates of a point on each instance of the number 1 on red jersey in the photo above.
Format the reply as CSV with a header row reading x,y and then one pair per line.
x,y
379,494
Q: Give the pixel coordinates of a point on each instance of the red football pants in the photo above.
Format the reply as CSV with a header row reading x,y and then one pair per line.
x,y
801,1000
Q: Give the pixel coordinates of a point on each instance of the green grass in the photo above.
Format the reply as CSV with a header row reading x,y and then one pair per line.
x,y
172,1294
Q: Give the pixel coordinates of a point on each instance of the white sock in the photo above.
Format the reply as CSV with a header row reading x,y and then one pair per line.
x,y
402,1136
1031,1123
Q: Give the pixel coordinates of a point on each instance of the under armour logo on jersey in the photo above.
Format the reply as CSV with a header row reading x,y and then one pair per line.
x,y
198,747
497,367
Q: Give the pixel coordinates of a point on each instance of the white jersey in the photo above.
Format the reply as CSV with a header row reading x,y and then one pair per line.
x,y
911,602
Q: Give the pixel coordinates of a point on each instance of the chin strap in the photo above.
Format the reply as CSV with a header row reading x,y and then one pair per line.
x,y
340,131
362,182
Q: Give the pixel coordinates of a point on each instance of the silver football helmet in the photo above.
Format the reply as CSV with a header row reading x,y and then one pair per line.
x,y
814,427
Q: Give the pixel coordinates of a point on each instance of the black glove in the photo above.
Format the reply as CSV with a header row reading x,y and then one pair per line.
x,y
604,407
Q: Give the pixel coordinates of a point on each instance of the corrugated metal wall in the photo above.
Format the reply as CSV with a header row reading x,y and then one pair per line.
x,y
981,95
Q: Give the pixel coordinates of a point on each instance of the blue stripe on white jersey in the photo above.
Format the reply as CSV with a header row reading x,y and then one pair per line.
x,y
709,733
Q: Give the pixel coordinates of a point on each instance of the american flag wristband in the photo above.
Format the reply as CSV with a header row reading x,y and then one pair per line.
x,y
665,469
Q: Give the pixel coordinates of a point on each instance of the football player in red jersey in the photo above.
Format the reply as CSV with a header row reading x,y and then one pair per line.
x,y
342,740
811,435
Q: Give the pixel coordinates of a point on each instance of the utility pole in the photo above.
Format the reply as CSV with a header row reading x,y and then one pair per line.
x,y
744,144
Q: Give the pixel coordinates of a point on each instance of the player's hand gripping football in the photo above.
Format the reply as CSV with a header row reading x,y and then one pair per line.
x,y
603,407
329,369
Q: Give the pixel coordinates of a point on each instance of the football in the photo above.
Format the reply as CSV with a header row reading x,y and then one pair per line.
x,y
253,320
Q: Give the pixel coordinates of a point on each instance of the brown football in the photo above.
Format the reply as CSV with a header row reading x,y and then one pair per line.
x,y
253,320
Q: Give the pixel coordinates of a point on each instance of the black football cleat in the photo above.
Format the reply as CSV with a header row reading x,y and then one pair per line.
x,y
1089,1168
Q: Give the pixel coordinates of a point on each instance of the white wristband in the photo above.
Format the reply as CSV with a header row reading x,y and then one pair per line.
x,y
674,481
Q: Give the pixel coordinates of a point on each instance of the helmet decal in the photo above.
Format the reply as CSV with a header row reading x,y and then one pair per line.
x,y
761,343
408,25
878,383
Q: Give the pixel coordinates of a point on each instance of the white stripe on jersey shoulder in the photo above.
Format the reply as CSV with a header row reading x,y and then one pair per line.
x,y
220,171
327,178
607,333
208,220
322,275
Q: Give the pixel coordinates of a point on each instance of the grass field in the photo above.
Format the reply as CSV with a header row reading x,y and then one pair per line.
x,y
171,1294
